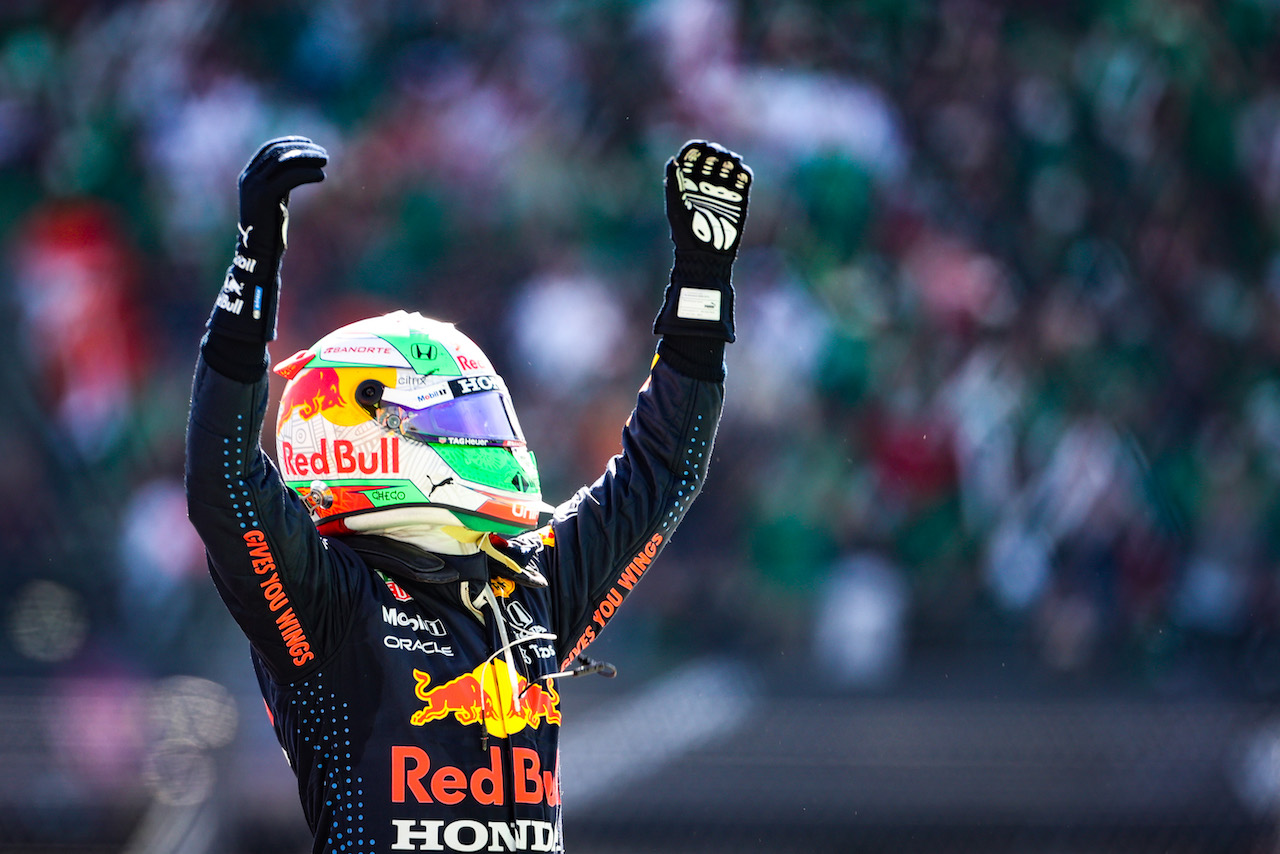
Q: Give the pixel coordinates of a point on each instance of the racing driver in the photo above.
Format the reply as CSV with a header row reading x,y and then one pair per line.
x,y
408,620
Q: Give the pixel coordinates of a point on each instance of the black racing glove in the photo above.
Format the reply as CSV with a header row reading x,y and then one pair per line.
x,y
244,316
707,187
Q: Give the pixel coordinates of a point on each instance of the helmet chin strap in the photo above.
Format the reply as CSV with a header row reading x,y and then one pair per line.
x,y
440,539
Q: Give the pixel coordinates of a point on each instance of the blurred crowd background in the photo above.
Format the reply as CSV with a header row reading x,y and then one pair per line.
x,y
1003,419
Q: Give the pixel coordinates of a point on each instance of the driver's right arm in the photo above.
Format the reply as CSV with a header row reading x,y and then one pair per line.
x,y
289,591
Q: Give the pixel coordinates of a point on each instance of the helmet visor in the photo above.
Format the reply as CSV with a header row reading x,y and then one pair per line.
x,y
466,411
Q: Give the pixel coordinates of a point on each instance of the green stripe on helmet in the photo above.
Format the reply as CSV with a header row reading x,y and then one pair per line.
x,y
497,468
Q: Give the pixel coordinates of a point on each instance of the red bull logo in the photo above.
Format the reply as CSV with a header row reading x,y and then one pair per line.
x,y
484,696
416,778
311,393
343,457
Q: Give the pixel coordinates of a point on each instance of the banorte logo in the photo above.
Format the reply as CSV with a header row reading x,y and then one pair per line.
x,y
484,696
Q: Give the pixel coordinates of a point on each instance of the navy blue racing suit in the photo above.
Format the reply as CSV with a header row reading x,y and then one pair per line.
x,y
407,688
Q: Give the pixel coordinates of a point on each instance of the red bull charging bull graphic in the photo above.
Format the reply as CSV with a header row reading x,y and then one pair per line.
x,y
311,393
484,696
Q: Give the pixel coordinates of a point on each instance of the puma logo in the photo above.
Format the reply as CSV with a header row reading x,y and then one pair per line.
x,y
435,486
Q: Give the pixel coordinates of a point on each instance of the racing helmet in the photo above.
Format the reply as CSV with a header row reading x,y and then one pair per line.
x,y
401,420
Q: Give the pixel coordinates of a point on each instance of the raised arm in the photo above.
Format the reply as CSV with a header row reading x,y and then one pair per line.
x,y
268,563
605,538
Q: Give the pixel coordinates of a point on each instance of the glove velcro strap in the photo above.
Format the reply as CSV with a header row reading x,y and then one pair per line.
x,y
701,269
